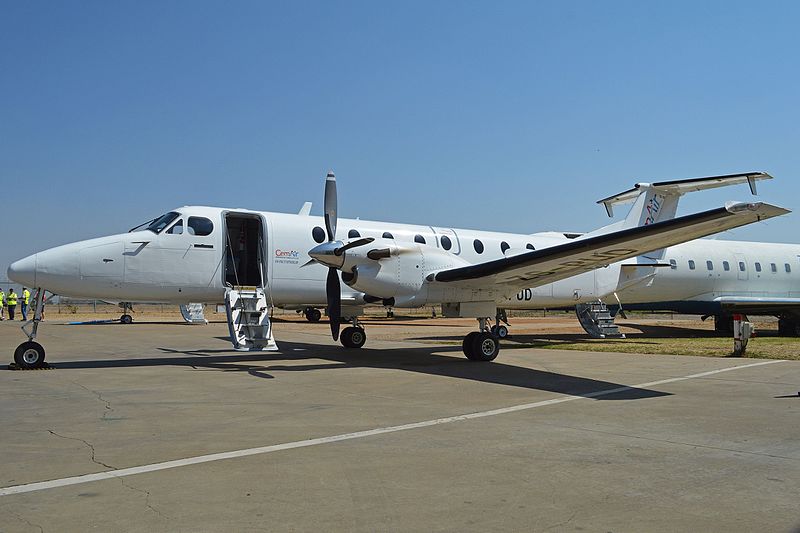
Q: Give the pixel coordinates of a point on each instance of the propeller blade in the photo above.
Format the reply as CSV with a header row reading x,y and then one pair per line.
x,y
330,206
333,289
353,244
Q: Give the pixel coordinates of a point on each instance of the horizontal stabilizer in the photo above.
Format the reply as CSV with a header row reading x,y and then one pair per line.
x,y
680,187
547,265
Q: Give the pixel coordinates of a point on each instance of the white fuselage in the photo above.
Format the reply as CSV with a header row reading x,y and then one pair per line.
x,y
185,267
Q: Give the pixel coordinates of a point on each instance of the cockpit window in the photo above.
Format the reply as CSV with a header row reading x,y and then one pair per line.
x,y
176,229
158,225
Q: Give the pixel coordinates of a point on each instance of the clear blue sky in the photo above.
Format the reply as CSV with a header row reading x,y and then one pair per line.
x,y
511,116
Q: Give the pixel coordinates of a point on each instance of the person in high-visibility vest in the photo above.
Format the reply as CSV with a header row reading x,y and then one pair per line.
x,y
11,301
2,305
26,299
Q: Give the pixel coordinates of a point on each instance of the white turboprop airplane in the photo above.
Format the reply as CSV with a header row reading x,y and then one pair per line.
x,y
255,260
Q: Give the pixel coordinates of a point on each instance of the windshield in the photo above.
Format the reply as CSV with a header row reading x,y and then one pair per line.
x,y
157,225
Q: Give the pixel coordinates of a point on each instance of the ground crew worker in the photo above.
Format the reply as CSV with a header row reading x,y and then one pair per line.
x,y
2,304
11,301
26,299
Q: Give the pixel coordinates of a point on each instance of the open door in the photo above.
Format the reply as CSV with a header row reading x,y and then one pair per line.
x,y
244,250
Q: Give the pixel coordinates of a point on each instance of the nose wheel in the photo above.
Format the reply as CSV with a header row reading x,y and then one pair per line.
x,y
353,337
30,354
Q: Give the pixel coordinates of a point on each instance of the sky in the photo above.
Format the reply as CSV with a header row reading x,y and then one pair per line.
x,y
496,115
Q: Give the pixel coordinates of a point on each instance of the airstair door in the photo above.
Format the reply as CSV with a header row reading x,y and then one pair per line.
x,y
248,301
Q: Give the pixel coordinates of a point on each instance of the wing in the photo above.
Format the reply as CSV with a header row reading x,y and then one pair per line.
x,y
755,305
547,265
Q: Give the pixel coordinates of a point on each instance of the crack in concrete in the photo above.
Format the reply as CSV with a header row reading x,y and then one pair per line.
x,y
94,459
23,519
107,404
561,524
146,497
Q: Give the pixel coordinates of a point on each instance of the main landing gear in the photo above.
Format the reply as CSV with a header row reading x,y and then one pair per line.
x,y
126,318
353,336
30,354
312,314
482,345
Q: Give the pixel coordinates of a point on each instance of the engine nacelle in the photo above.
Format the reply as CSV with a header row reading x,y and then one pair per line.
x,y
387,269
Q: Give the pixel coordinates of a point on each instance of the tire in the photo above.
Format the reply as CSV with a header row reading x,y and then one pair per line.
x,y
466,345
313,315
501,332
29,354
353,337
485,347
788,327
126,319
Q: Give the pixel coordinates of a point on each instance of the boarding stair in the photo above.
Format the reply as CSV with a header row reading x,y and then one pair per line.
x,y
248,319
597,321
193,313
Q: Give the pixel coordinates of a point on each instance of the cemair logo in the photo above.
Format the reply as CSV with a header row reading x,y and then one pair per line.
x,y
289,254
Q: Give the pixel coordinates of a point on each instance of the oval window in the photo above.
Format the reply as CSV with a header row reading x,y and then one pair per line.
x,y
419,239
446,242
387,235
200,226
529,246
353,234
504,246
318,234
478,245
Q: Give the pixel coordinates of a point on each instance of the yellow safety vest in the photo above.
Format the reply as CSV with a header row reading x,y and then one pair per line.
x,y
26,297
2,298
12,298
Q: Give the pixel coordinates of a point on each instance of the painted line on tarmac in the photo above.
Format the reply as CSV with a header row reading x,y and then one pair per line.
x,y
124,472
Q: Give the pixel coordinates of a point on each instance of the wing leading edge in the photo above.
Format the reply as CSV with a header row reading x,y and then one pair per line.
x,y
547,265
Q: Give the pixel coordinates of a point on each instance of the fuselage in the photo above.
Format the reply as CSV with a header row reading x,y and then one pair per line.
x,y
192,258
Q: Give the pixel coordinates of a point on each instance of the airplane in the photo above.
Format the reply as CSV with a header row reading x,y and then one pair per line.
x,y
255,260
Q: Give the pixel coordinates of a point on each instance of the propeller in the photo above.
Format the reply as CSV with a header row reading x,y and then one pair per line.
x,y
333,288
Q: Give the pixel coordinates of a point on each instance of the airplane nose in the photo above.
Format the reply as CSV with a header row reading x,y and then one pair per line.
x,y
23,271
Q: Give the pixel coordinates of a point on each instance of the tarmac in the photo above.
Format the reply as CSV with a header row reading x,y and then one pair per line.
x,y
186,434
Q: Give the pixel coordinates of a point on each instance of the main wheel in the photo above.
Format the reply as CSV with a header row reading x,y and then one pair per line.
x,y
126,319
353,337
466,344
788,327
29,354
313,315
485,347
500,331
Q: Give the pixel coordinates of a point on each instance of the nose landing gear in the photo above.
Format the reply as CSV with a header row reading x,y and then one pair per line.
x,y
126,318
30,354
353,336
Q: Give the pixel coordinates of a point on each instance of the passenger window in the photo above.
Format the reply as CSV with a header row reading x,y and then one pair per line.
x,y
504,246
419,238
691,264
673,264
387,235
478,245
788,267
529,246
709,265
446,242
177,229
726,266
741,266
773,267
758,267
200,226
318,234
353,234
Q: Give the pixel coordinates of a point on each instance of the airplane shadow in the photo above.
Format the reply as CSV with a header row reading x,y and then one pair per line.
x,y
422,360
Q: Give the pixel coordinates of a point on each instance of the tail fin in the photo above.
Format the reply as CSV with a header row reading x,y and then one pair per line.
x,y
656,202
